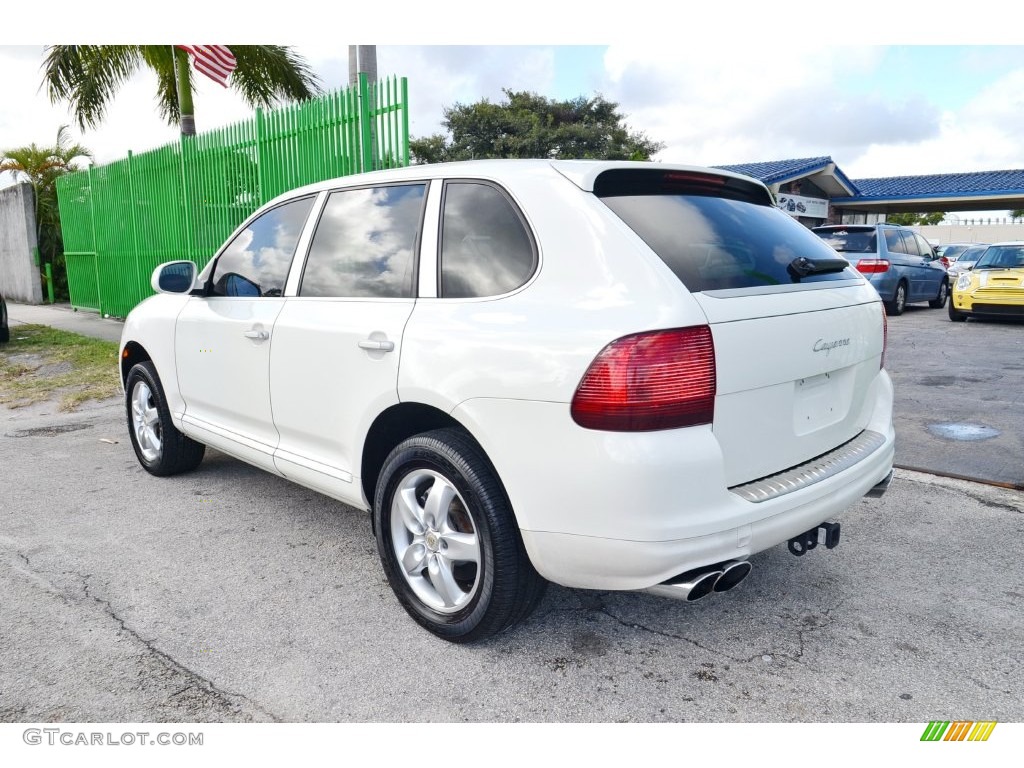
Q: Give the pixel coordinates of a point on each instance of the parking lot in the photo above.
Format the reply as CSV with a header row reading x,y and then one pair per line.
x,y
232,595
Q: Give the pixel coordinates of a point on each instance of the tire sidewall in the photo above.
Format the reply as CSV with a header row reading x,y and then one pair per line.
x,y
144,372
418,453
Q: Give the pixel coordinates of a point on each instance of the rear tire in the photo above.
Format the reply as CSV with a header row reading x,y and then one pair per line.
x,y
940,300
899,300
160,448
448,540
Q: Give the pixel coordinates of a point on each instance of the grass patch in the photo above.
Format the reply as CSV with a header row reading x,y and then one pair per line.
x,y
41,363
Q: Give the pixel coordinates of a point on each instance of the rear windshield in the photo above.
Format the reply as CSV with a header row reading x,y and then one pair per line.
x,y
711,243
850,240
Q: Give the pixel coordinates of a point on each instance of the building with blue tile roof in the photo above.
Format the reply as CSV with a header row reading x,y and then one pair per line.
x,y
816,185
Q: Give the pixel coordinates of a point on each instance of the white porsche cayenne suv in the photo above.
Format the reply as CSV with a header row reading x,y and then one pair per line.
x,y
607,375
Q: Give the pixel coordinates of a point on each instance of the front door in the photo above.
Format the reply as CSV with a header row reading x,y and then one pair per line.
x,y
223,339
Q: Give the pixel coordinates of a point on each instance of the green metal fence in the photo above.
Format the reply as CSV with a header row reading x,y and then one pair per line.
x,y
182,200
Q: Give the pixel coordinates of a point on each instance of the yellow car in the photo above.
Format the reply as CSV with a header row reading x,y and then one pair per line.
x,y
994,287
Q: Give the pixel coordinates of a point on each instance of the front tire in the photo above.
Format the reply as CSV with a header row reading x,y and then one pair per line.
x,y
448,540
160,448
899,300
954,315
940,300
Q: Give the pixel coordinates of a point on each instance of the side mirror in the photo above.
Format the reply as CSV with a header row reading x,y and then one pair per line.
x,y
174,277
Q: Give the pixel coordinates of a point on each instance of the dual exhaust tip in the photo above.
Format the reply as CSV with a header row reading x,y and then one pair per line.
x,y
701,582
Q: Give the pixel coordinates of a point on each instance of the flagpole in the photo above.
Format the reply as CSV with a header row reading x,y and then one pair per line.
x,y
187,122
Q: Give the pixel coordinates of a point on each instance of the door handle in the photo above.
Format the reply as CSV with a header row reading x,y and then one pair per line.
x,y
378,346
257,335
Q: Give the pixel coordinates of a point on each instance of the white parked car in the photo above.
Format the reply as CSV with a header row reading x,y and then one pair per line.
x,y
608,375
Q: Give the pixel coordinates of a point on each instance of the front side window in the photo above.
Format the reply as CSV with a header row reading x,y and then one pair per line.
x,y
486,249
924,246
365,244
256,262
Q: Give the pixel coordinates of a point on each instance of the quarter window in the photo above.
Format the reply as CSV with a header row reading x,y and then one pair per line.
x,y
486,249
895,242
365,243
256,262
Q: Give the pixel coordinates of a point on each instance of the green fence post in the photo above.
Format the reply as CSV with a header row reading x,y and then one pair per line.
x,y
49,281
139,285
260,140
95,252
186,209
365,140
405,122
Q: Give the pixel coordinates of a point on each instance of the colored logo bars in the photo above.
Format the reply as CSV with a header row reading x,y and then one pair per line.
x,y
960,730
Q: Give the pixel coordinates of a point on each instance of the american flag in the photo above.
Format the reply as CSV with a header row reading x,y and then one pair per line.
x,y
214,61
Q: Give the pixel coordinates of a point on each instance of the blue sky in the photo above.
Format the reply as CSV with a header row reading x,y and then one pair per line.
x,y
714,89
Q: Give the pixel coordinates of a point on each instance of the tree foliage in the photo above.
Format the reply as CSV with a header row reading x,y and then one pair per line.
x,y
41,167
910,219
1017,214
89,76
526,125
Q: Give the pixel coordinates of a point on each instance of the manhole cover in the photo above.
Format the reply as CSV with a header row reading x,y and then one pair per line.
x,y
56,429
962,431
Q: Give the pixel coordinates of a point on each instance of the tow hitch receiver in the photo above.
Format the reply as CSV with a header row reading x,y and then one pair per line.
x,y
799,545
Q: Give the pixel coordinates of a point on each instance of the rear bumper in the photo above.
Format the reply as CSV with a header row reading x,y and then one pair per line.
x,y
597,563
626,511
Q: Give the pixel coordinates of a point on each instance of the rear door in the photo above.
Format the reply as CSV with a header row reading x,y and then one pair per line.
x,y
795,355
337,343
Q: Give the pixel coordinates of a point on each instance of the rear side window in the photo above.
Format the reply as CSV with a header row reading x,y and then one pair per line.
x,y
365,243
486,249
895,242
714,243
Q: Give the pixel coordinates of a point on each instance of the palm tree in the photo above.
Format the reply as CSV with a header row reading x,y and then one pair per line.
x,y
41,167
88,77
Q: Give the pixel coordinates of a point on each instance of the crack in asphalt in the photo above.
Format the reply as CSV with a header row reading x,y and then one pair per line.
x,y
801,632
173,663
993,504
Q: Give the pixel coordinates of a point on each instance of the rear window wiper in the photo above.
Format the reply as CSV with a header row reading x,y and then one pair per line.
x,y
801,266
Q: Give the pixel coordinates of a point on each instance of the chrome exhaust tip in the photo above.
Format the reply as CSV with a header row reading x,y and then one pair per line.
x,y
689,586
732,574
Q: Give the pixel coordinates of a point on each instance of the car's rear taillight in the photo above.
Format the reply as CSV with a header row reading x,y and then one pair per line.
x,y
650,381
872,266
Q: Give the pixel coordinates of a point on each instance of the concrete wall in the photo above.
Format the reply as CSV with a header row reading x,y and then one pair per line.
x,y
19,275
976,233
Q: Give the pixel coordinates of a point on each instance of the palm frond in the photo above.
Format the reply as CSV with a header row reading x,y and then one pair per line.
x,y
269,73
88,77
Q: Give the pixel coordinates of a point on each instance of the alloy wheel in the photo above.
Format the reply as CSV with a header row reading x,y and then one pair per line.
x,y
435,541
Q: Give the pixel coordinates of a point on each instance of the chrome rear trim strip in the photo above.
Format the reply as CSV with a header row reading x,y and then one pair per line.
x,y
813,471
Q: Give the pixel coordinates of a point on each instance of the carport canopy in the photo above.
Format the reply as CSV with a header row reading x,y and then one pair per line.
x,y
945,192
